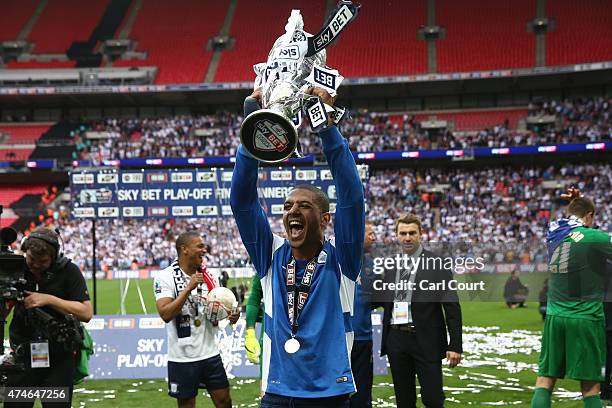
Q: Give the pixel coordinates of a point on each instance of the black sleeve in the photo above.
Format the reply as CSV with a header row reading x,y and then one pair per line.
x,y
507,289
452,315
76,287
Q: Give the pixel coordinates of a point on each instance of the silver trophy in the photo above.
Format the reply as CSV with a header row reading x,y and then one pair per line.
x,y
295,63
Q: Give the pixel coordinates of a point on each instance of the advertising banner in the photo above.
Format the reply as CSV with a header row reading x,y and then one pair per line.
x,y
186,193
135,346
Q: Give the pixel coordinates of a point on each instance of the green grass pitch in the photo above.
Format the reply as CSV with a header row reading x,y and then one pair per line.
x,y
498,367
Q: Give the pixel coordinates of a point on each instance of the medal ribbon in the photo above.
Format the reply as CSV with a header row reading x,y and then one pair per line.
x,y
297,297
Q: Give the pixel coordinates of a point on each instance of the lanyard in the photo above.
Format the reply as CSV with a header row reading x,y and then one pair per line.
x,y
179,284
295,307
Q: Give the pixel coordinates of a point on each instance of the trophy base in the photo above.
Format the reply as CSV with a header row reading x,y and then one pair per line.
x,y
268,136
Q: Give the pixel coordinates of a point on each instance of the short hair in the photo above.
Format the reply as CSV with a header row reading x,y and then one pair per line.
x,y
320,198
40,246
581,206
408,219
184,239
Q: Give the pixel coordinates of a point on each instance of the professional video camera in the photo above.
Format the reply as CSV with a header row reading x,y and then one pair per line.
x,y
12,285
12,268
62,329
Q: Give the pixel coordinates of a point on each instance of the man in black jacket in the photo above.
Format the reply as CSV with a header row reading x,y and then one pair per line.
x,y
515,292
56,287
416,321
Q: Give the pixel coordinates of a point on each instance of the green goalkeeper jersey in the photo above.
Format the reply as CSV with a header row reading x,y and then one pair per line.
x,y
578,274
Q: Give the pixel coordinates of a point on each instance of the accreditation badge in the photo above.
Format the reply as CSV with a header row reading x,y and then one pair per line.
x,y
39,354
400,313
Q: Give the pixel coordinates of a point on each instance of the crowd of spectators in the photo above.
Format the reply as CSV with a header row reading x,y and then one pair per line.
x,y
182,136
575,121
504,210
499,207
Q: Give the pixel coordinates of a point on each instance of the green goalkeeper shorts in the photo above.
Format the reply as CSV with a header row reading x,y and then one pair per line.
x,y
573,348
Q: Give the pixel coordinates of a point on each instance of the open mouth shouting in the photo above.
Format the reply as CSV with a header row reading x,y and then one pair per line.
x,y
296,229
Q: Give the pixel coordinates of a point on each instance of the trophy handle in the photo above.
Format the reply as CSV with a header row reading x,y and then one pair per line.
x,y
268,136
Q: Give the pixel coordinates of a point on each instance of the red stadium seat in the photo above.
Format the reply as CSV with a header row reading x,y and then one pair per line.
x,y
7,221
15,154
482,35
382,40
477,120
583,32
175,34
20,135
63,22
255,28
13,15
10,195
23,134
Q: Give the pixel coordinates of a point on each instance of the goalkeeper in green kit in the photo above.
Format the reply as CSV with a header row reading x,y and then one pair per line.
x,y
574,341
254,314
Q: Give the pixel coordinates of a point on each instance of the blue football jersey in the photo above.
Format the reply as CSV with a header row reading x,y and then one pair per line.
x,y
321,366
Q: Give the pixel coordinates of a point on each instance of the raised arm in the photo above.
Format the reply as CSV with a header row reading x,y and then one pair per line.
x,y
250,217
349,220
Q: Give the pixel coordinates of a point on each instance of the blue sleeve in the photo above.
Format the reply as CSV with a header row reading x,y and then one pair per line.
x,y
250,217
349,220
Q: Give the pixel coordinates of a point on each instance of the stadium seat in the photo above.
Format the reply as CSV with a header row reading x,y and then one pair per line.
x,y
22,134
477,120
582,33
13,15
178,46
10,195
7,221
14,154
255,28
63,22
479,35
482,35
390,49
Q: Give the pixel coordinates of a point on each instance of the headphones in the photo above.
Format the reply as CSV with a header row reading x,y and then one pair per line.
x,y
46,238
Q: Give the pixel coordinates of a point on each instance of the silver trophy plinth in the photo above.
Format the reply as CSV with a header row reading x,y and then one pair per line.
x,y
295,62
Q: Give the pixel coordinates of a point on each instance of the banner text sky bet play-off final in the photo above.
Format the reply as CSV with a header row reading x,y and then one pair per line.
x,y
183,193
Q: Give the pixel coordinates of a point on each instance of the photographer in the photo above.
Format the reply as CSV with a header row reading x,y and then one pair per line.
x,y
55,286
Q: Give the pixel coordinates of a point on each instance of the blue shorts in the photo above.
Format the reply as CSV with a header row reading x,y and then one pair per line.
x,y
184,379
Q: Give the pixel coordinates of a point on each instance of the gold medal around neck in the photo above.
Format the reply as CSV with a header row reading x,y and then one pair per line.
x,y
197,322
292,345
